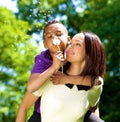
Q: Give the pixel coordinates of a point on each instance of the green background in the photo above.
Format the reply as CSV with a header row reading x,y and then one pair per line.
x,y
18,47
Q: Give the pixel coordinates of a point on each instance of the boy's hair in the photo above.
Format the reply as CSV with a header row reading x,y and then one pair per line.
x,y
50,23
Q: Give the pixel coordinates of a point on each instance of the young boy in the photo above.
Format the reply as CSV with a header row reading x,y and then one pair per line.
x,y
44,60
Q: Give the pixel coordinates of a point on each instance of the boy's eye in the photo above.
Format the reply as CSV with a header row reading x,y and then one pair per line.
x,y
59,34
49,36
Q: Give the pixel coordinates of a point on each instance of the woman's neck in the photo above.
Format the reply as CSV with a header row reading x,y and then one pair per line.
x,y
75,69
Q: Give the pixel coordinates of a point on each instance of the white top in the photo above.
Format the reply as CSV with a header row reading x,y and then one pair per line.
x,y
59,103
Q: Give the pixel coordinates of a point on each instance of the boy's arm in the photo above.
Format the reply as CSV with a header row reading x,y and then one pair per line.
x,y
28,100
61,78
38,79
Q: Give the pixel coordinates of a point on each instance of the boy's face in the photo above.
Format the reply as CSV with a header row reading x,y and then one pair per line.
x,y
55,31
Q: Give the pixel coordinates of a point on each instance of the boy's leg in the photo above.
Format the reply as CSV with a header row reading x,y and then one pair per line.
x,y
35,117
93,118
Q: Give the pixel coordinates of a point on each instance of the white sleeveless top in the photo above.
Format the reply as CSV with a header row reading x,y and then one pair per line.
x,y
59,103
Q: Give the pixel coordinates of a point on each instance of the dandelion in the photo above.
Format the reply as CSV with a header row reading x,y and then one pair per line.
x,y
57,43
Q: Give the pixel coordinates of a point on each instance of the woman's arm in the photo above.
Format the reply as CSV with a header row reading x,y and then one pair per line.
x,y
95,92
28,100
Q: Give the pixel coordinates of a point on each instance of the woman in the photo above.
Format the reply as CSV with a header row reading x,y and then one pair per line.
x,y
43,70
70,103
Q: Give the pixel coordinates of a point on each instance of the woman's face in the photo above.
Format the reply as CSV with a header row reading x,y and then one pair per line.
x,y
76,50
55,31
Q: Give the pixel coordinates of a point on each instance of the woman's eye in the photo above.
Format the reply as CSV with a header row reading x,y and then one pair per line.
x,y
78,44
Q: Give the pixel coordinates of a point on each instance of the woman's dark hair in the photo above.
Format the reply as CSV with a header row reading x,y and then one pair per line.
x,y
95,60
95,56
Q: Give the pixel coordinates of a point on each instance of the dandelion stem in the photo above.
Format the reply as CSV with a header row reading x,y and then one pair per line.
x,y
58,48
61,65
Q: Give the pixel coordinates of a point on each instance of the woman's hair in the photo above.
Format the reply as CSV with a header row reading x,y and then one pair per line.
x,y
95,60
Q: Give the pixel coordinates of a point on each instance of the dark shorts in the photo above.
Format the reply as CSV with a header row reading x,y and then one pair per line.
x,y
93,118
90,117
35,117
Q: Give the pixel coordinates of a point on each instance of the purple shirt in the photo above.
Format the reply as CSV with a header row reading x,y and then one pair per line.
x,y
42,62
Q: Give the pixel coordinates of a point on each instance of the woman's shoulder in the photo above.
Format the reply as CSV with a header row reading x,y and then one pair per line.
x,y
98,81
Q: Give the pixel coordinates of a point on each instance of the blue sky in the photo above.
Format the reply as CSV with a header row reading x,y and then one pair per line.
x,y
10,4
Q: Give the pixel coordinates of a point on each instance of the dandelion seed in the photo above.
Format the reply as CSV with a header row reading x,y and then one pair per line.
x,y
56,41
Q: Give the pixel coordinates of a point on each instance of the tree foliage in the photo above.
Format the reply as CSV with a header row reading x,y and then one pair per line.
x,y
16,59
99,16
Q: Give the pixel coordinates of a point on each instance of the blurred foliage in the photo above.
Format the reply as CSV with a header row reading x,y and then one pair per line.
x,y
17,49
16,59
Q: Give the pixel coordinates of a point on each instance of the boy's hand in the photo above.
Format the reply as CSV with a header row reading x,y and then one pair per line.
x,y
58,78
57,60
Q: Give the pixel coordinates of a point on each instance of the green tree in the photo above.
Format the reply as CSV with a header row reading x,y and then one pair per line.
x,y
100,16
16,60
